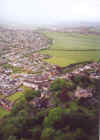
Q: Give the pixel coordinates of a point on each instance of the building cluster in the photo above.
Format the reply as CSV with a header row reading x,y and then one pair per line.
x,y
8,85
91,70
23,39
21,65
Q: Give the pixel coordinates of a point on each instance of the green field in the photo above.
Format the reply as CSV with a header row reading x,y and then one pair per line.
x,y
3,112
15,96
72,48
18,95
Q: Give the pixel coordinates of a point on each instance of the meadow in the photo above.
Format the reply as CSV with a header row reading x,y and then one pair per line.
x,y
71,48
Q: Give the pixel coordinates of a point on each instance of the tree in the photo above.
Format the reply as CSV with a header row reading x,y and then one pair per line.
x,y
12,138
54,115
30,94
58,85
47,133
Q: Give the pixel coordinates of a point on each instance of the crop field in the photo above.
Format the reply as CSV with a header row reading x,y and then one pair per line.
x,y
71,48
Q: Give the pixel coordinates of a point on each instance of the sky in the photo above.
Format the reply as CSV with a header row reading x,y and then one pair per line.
x,y
48,11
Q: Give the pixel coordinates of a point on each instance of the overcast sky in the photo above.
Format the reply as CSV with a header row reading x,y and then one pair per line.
x,y
48,11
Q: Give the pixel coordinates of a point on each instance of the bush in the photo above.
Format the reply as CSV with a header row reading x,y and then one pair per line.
x,y
36,132
78,79
12,138
47,134
18,106
58,85
30,94
70,85
54,115
73,106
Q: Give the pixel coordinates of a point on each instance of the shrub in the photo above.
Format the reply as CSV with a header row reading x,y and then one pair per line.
x,y
47,133
58,85
36,132
12,138
78,78
73,106
54,115
65,95
30,94
70,85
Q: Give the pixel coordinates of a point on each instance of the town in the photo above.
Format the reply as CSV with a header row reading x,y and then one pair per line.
x,y
21,65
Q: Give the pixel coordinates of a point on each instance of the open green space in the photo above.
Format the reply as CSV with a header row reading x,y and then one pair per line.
x,y
15,96
3,112
18,95
71,48
63,58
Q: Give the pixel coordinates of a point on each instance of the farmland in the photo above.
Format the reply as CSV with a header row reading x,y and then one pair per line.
x,y
72,48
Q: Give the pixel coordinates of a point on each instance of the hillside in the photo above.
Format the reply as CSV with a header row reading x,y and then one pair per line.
x,y
67,110
41,100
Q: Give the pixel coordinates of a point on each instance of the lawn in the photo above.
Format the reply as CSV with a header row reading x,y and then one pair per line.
x,y
15,96
18,95
3,112
72,48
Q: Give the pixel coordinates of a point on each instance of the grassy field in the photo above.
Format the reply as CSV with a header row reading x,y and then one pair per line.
x,y
18,95
72,48
15,96
3,112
